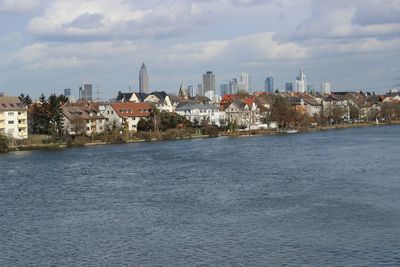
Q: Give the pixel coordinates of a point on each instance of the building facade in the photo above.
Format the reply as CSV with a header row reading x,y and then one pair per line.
x,y
301,84
13,118
325,88
144,84
208,82
245,81
86,92
269,84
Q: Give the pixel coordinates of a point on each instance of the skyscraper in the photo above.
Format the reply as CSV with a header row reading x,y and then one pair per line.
x,y
300,84
144,80
289,87
191,90
67,92
209,81
86,92
224,89
269,84
325,88
245,81
233,86
200,91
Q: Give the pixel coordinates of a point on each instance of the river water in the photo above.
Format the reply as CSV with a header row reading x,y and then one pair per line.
x,y
317,199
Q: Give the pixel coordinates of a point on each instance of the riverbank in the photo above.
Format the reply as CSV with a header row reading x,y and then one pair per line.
x,y
60,146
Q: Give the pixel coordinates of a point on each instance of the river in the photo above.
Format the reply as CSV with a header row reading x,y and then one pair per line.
x,y
316,199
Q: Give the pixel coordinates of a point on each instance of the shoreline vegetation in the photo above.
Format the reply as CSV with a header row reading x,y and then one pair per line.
x,y
42,143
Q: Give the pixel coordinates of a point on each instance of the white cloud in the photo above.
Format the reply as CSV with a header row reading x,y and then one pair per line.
x,y
17,6
92,19
350,19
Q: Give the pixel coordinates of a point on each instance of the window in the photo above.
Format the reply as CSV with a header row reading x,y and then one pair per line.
x,y
19,113
10,113
10,122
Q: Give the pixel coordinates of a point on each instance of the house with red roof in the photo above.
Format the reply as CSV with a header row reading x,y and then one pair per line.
x,y
126,114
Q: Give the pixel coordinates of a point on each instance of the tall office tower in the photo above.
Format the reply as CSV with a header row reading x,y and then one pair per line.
x,y
233,86
269,84
289,87
310,88
200,91
86,92
224,89
191,90
209,81
325,88
244,81
144,86
301,84
67,92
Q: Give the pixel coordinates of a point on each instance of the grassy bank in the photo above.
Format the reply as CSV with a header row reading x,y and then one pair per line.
x,y
36,143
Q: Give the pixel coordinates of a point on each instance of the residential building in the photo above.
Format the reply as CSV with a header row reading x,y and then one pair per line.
x,y
126,114
13,118
144,86
201,113
82,119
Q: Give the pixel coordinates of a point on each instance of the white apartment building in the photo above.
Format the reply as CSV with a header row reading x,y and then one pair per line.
x,y
13,118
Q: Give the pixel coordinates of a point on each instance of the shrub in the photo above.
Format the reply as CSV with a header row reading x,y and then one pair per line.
x,y
4,143
211,131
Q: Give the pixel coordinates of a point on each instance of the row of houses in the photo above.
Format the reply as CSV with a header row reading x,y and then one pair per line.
x,y
95,118
248,111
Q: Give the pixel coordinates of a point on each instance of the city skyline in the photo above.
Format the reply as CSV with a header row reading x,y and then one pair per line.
x,y
51,45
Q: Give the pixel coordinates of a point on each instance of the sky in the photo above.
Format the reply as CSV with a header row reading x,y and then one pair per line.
x,y
49,45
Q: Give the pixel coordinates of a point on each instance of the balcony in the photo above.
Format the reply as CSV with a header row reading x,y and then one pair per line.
x,y
22,116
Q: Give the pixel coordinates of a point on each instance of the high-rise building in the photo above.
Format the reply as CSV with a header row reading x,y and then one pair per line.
x,y
200,91
191,90
67,92
144,86
224,89
244,81
209,81
233,86
269,84
325,88
289,87
300,83
86,92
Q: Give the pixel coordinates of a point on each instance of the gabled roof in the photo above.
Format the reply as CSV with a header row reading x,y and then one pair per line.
x,y
239,104
82,111
11,103
141,96
160,94
191,106
123,96
130,109
312,102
